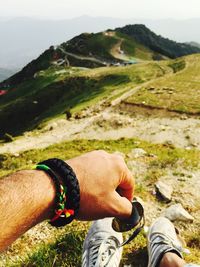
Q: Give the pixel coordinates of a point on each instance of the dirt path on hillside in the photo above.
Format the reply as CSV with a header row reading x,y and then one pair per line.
x,y
117,52
93,59
180,131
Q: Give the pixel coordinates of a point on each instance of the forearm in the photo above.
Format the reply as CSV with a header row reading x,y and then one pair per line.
x,y
26,198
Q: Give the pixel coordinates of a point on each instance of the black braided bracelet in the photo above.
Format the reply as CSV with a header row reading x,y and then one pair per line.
x,y
69,180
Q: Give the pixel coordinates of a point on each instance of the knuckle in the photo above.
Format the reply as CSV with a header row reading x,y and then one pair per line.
x,y
101,152
118,158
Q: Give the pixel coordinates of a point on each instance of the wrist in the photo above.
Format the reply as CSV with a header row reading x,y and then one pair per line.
x,y
67,190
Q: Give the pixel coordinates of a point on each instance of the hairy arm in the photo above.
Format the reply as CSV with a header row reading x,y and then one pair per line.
x,y
28,197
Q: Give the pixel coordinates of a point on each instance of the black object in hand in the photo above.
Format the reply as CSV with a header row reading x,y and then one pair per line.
x,y
125,225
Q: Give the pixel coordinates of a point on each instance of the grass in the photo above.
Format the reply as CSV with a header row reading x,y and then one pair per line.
x,y
179,92
193,242
62,248
166,156
177,65
136,251
134,49
66,251
93,45
101,45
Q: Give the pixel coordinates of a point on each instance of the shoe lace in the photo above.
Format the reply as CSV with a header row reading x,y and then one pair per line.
x,y
101,251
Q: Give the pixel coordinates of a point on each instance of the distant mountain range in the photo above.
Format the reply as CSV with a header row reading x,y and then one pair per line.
x,y
194,44
23,39
126,45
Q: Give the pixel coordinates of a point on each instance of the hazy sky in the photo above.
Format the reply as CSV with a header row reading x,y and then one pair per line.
x,y
56,9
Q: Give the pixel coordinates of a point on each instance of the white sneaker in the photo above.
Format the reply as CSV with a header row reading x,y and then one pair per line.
x,y
101,246
162,238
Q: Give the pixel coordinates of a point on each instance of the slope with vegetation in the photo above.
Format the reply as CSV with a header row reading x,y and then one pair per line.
x,y
179,93
158,44
53,92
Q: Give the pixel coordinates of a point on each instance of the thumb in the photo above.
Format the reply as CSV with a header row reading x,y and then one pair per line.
x,y
122,206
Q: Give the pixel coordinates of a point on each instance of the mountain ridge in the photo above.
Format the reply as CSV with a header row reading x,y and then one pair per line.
x,y
94,50
32,36
158,43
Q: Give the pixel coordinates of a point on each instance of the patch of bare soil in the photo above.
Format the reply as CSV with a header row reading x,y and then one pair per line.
x,y
114,123
180,131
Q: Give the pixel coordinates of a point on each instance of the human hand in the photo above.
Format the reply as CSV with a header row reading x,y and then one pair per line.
x,y
106,185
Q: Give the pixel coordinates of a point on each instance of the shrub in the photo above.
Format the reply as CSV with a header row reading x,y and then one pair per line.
x,y
8,138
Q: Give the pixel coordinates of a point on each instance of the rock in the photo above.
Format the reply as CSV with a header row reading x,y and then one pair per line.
x,y
52,126
153,155
184,117
163,127
169,143
177,213
137,153
16,155
120,154
164,190
194,144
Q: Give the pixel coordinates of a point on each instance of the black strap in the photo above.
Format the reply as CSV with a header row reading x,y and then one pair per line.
x,y
70,181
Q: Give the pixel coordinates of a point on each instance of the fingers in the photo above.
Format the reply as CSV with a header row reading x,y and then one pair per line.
x,y
121,206
126,183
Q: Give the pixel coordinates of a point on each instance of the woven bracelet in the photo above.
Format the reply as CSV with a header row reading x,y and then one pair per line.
x,y
67,190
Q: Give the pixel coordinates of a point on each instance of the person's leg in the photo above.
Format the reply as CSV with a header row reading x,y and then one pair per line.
x,y
171,259
164,248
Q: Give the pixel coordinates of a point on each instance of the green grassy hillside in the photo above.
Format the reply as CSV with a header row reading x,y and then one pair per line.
x,y
53,92
87,44
179,92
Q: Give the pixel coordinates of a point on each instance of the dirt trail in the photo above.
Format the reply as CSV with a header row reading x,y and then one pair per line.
x,y
81,57
117,52
54,132
108,124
